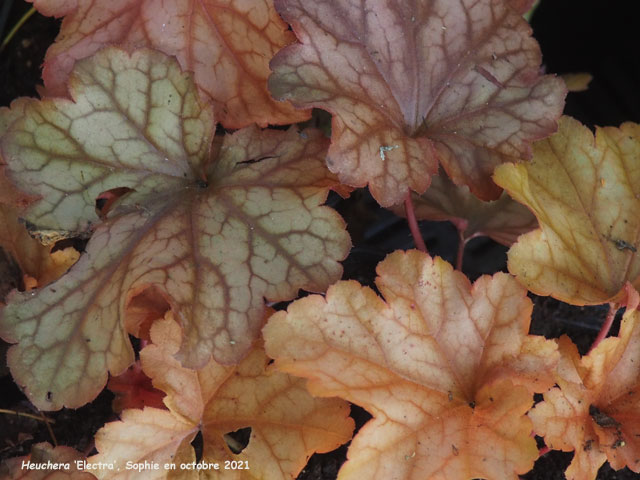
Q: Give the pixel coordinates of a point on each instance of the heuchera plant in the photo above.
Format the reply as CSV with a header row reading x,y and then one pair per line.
x,y
196,233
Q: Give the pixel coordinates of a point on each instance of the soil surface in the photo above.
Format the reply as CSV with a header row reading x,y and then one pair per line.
x,y
575,36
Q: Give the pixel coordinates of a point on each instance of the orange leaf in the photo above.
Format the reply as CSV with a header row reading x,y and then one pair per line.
x,y
34,259
446,369
586,196
287,424
415,83
227,45
595,410
61,463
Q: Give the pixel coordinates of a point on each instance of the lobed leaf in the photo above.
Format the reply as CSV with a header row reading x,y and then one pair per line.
x,y
446,369
287,424
585,194
227,45
414,83
216,232
595,408
504,220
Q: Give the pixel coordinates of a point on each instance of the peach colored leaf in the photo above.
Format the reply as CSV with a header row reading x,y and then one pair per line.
x,y
64,463
446,368
411,83
595,410
226,44
503,220
287,424
35,260
586,196
216,232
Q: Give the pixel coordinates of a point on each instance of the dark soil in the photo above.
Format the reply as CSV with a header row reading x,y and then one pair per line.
x,y
592,36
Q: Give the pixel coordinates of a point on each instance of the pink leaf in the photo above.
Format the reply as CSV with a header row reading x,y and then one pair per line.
x,y
409,85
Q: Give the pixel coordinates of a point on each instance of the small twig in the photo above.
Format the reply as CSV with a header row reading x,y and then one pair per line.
x,y
413,223
46,422
40,418
606,326
17,27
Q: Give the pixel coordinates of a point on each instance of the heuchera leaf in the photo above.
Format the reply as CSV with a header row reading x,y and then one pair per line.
x,y
586,196
287,424
216,237
411,83
446,369
38,264
503,220
595,410
43,454
9,194
227,45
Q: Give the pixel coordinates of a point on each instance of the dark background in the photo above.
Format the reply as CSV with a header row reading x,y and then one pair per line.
x,y
599,37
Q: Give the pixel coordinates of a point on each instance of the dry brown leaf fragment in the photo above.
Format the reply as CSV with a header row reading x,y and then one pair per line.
x,y
585,193
446,368
577,82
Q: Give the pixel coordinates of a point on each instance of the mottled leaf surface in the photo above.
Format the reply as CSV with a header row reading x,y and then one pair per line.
x,y
287,424
595,410
9,194
503,220
217,231
585,193
227,44
446,368
414,83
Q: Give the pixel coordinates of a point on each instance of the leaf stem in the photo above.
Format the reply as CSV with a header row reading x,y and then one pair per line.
x,y
543,451
606,326
413,223
16,27
461,245
40,417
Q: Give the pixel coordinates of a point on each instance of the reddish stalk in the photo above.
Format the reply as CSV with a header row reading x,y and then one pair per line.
x,y
461,245
413,224
606,326
544,450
